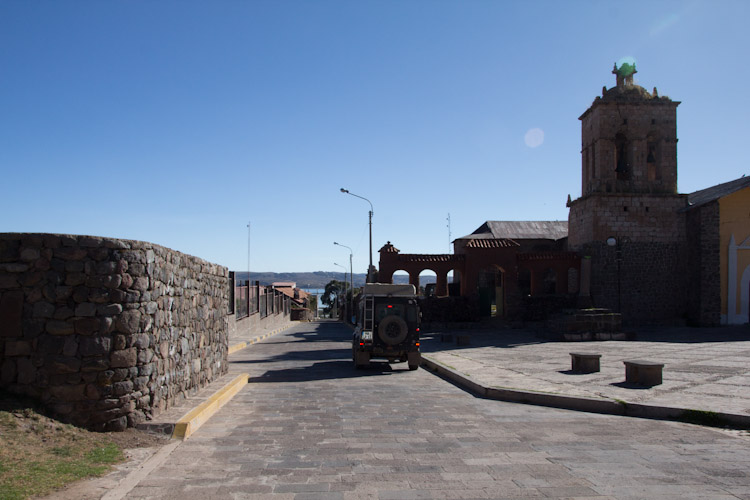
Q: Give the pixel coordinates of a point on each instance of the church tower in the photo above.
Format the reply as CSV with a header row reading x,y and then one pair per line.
x,y
628,217
629,140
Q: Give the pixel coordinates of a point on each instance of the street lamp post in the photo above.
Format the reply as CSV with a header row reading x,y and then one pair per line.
x,y
369,269
618,243
351,278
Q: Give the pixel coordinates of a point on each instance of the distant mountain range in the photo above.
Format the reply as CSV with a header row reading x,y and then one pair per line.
x,y
317,279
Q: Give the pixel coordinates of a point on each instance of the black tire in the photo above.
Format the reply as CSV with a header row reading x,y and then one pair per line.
x,y
413,367
392,330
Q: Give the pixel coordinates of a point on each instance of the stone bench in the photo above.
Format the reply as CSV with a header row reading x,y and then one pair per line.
x,y
646,373
584,362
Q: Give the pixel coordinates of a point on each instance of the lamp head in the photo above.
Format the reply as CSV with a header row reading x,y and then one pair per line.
x,y
344,190
611,241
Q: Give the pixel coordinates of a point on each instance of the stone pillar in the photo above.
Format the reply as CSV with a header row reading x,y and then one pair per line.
x,y
441,287
414,280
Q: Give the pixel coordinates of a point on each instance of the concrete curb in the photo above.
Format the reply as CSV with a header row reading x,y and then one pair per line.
x,y
582,403
188,424
131,480
238,347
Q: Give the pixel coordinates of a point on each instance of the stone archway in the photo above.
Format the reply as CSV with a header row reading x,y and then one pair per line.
x,y
427,282
414,264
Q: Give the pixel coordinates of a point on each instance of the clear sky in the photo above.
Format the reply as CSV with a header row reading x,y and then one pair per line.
x,y
178,122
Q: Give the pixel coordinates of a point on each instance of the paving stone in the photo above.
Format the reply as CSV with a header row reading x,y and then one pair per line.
x,y
308,425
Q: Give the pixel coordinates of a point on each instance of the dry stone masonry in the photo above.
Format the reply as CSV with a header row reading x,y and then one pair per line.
x,y
108,332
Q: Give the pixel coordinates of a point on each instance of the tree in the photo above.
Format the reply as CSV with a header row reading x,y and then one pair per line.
x,y
333,289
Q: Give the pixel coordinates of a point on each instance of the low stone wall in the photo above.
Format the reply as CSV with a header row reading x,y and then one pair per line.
x,y
586,324
301,315
254,325
108,332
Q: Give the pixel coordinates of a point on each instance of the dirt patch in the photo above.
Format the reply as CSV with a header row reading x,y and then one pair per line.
x,y
39,454
134,438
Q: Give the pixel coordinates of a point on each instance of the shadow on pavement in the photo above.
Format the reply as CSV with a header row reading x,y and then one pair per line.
x,y
311,355
628,385
325,370
327,363
515,338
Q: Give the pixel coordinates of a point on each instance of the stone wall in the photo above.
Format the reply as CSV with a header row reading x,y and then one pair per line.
x,y
653,218
646,279
704,265
647,282
107,332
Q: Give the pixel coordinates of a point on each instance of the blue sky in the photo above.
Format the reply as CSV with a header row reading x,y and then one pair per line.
x,y
179,122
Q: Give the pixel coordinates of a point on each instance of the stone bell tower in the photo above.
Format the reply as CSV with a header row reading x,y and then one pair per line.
x,y
629,198
629,140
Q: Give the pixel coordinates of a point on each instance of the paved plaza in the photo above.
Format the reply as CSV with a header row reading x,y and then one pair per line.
x,y
705,369
309,426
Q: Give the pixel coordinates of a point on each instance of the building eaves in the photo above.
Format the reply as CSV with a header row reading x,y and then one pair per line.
x,y
713,193
558,256
492,243
520,230
414,257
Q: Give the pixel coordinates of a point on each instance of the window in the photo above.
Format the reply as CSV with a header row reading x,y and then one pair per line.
x,y
622,158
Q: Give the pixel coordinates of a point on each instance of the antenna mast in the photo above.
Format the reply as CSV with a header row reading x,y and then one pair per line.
x,y
449,231
248,255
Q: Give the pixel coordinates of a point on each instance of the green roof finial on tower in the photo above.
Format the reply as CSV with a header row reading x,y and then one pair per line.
x,y
625,69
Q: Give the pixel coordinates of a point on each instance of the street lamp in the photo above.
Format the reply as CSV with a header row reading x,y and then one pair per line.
x,y
351,277
369,269
618,244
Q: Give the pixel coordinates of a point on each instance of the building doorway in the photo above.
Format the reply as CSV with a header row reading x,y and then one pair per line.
x,y
491,288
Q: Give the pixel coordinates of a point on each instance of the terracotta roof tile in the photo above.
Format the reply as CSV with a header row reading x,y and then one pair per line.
x,y
548,256
494,243
414,257
388,248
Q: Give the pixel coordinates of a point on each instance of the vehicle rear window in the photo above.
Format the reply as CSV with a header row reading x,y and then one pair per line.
x,y
408,312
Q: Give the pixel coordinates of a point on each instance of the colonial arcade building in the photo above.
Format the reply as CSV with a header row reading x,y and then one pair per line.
x,y
631,244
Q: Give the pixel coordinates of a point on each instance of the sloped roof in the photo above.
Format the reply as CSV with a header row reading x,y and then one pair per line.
x,y
713,193
492,243
448,257
520,230
389,248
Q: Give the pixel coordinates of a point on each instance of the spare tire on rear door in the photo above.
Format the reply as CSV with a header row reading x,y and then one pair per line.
x,y
392,330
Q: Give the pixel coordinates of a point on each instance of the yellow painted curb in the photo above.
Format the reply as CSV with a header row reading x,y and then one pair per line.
x,y
237,347
199,415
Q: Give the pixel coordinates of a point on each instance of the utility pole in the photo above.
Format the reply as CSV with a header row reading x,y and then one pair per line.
x,y
449,231
248,257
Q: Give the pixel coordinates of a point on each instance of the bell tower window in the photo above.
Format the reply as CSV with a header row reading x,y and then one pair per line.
x,y
622,158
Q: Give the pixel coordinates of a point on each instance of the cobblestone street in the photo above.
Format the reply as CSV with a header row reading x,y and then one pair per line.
x,y
310,426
